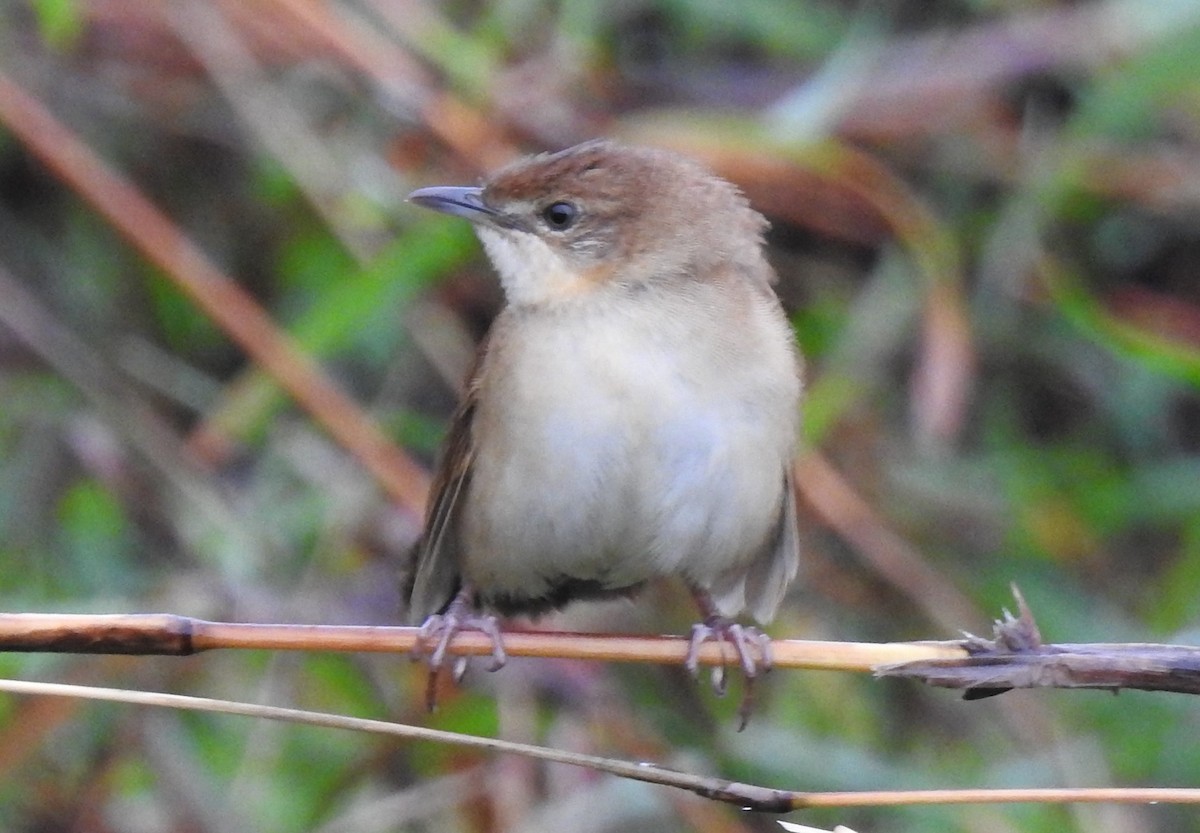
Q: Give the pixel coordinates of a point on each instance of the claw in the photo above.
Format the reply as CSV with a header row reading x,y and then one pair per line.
x,y
491,627
747,704
719,681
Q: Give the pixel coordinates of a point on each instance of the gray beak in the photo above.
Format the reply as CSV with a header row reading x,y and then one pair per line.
x,y
456,200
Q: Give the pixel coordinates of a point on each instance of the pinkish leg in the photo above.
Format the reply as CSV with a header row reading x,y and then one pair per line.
x,y
751,647
439,631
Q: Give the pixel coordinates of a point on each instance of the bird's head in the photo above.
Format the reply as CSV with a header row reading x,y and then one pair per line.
x,y
601,214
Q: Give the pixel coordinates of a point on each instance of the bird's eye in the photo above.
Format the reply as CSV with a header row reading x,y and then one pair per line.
x,y
560,215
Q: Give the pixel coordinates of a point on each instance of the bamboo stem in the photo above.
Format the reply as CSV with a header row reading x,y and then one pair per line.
x,y
171,635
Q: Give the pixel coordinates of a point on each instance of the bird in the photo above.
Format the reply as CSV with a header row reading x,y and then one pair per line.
x,y
632,413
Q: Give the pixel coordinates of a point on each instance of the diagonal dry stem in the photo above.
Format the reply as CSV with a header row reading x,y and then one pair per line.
x,y
746,796
166,246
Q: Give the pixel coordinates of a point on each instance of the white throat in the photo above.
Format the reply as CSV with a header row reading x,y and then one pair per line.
x,y
530,270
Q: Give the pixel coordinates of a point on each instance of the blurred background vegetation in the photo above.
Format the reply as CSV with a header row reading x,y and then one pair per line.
x,y
986,220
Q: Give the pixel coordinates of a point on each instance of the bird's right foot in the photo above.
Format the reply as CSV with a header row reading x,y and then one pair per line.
x,y
438,632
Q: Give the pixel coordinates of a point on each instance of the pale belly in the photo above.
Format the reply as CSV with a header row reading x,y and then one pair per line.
x,y
624,480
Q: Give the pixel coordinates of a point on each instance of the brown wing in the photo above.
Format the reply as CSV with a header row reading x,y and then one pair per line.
x,y
435,576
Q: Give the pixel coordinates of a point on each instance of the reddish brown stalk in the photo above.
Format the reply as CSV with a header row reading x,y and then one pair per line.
x,y
166,634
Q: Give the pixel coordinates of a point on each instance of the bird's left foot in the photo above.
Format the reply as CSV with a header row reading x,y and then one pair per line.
x,y
751,647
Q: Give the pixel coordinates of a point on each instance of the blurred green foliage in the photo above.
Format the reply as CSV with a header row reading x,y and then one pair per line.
x,y
1047,156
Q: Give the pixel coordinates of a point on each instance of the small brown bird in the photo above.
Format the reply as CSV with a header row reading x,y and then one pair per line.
x,y
633,412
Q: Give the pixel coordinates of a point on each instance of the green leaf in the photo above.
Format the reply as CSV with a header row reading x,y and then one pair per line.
x,y
59,21
94,533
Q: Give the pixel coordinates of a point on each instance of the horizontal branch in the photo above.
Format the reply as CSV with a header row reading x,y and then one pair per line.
x,y
1096,665
1014,658
164,634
